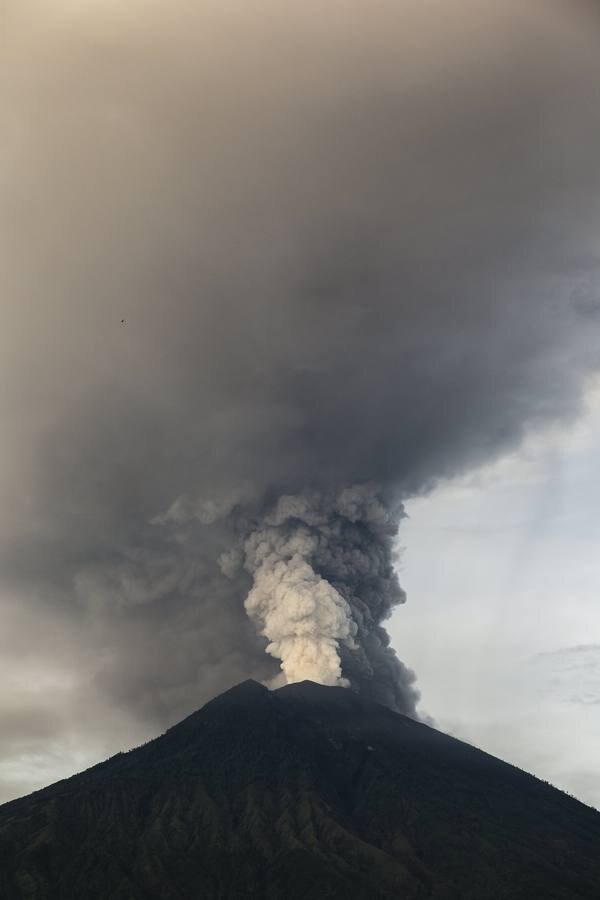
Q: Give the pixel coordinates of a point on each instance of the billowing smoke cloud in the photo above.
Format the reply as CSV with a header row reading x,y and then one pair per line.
x,y
355,251
323,582
303,616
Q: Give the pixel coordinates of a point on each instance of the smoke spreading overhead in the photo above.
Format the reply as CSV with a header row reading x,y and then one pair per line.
x,y
271,269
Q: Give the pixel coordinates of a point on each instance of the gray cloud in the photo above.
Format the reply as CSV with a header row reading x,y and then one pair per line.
x,y
345,245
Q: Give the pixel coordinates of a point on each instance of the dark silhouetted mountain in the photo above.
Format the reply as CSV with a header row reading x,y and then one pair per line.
x,y
306,792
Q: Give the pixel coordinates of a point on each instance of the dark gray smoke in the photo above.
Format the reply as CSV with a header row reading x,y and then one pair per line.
x,y
355,250
323,582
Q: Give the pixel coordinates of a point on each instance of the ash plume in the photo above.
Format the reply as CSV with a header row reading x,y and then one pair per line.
x,y
275,270
323,582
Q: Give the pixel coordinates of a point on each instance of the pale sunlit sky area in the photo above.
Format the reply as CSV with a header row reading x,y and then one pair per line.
x,y
502,622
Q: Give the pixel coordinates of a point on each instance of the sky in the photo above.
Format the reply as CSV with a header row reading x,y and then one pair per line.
x,y
273,279
511,551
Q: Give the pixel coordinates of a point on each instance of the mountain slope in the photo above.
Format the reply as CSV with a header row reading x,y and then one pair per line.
x,y
306,792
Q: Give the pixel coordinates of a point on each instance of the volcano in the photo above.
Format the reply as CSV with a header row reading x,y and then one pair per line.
x,y
303,792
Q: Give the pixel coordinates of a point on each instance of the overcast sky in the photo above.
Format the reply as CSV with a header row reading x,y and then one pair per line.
x,y
271,270
502,621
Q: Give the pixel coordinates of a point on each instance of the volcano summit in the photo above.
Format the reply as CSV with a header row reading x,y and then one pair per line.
x,y
308,791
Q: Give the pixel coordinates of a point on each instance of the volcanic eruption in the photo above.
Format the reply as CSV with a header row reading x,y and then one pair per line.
x,y
350,248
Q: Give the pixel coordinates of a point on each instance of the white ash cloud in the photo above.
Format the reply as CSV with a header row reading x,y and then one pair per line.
x,y
323,583
301,614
